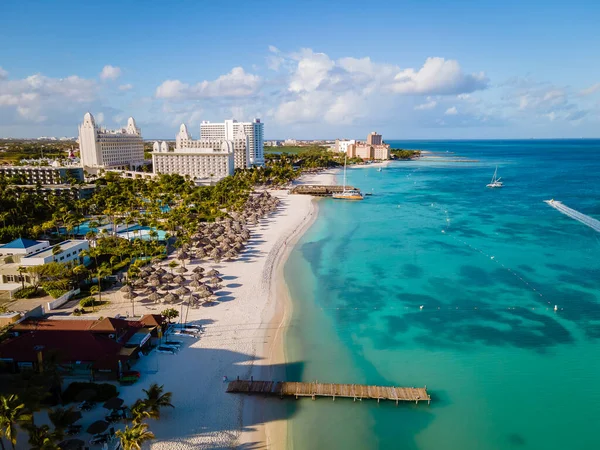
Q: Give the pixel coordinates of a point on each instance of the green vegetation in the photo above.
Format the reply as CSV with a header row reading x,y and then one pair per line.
x,y
293,149
12,152
401,153
85,302
170,314
26,292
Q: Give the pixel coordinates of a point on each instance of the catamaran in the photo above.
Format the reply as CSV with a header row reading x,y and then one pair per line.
x,y
495,183
348,194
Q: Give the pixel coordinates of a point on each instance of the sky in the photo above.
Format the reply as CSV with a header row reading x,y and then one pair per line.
x,y
415,69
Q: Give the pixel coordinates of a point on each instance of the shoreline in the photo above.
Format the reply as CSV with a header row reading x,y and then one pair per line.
x,y
243,335
273,431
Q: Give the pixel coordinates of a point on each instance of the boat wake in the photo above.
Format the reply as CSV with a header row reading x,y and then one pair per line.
x,y
573,214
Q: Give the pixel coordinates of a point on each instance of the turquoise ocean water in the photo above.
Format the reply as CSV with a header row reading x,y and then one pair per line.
x,y
505,370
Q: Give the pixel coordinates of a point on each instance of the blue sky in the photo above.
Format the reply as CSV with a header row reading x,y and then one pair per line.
x,y
310,69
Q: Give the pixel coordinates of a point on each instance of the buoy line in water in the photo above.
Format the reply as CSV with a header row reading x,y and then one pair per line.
x,y
446,232
574,214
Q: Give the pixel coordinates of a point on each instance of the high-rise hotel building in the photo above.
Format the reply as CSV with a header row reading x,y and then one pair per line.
x,y
247,137
114,149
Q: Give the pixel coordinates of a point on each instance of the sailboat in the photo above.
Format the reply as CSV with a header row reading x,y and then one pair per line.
x,y
348,194
495,183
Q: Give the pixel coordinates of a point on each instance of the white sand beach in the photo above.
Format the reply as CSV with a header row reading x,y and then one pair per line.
x,y
242,336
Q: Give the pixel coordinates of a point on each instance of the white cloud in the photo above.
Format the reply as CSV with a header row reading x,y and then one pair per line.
x,y
311,71
273,49
3,73
99,118
110,72
452,111
126,87
430,104
589,91
38,97
171,89
236,83
438,76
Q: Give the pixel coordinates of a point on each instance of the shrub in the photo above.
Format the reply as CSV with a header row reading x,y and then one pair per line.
x,y
55,293
88,301
26,292
104,391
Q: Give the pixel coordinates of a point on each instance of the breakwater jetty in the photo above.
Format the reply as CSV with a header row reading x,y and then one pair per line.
x,y
332,390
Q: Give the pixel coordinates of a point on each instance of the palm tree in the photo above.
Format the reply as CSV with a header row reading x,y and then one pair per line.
x,y
61,418
156,399
12,412
133,438
56,250
41,438
139,413
100,274
22,271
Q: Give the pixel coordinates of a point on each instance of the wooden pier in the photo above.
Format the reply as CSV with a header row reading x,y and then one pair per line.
x,y
319,190
316,389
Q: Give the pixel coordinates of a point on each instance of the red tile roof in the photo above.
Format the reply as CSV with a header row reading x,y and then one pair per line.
x,y
70,345
152,320
33,324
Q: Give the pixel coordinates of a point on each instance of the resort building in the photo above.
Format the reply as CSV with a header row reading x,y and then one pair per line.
x,y
100,148
341,145
238,132
99,349
26,253
369,152
23,247
374,139
45,175
203,159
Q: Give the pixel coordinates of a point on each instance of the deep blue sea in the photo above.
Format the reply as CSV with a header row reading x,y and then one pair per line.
x,y
505,371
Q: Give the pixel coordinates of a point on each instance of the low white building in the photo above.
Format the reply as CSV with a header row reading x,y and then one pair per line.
x,y
23,247
100,148
341,145
23,253
199,163
68,251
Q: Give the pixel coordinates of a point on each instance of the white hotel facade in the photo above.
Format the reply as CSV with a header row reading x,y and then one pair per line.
x,y
243,134
100,148
204,159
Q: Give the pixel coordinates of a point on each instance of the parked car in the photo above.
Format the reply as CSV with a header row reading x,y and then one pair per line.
x,y
165,349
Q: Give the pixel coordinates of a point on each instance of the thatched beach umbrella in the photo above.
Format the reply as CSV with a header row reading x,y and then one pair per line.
x,y
213,272
198,269
98,426
195,284
129,295
139,282
197,276
181,270
72,444
113,403
168,277
126,288
171,298
155,297
179,279
182,291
